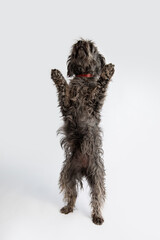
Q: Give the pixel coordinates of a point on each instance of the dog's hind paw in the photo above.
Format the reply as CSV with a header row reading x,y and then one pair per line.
x,y
97,219
66,209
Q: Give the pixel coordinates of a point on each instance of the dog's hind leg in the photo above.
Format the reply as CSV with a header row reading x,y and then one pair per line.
x,y
68,187
96,182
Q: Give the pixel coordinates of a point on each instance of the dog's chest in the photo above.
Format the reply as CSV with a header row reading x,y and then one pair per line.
x,y
82,93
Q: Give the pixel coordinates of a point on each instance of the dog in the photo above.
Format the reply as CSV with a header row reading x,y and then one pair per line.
x,y
80,102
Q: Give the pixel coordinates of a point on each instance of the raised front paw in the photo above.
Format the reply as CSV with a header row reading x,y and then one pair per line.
x,y
107,71
56,75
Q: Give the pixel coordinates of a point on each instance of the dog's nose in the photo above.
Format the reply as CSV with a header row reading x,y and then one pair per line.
x,y
79,42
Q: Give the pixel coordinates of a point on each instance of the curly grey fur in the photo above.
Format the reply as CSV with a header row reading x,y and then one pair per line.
x,y
81,101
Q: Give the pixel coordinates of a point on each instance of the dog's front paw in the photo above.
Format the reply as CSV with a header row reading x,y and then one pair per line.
x,y
56,75
108,71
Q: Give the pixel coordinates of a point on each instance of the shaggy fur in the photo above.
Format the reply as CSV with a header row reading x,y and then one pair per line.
x,y
81,101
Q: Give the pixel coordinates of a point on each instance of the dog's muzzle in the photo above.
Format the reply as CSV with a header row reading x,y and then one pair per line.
x,y
82,52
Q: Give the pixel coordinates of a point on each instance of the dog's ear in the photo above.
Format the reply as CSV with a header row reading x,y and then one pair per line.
x,y
102,60
69,67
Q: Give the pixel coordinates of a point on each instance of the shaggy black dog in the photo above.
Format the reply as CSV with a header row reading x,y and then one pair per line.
x,y
81,101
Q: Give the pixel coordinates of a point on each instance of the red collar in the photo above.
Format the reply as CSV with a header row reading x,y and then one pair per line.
x,y
88,75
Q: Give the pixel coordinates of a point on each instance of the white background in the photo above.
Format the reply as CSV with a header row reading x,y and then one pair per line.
x,y
37,36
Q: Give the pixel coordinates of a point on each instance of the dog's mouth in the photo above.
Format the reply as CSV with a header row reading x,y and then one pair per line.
x,y
81,52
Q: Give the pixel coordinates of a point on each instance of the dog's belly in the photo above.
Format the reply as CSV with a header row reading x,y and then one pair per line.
x,y
80,160
81,131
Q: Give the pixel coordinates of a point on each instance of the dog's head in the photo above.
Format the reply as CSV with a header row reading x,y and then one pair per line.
x,y
84,59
